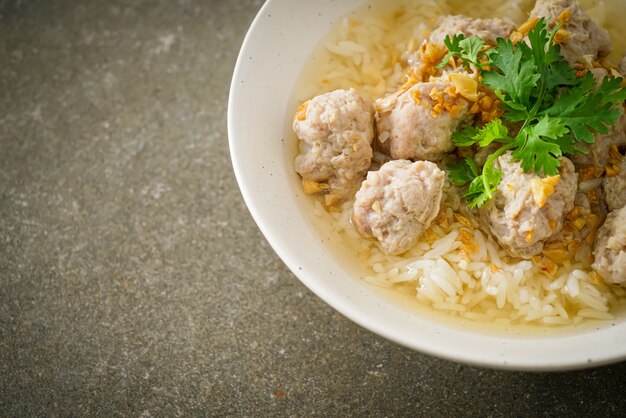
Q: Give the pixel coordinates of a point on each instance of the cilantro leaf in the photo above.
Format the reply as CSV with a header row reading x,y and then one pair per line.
x,y
537,149
471,47
475,195
453,48
465,137
515,75
462,172
587,110
469,50
482,188
560,74
543,50
492,131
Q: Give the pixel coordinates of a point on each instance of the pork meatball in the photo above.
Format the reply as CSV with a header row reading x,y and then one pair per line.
x,y
418,123
528,209
397,203
582,36
615,189
610,248
489,30
336,131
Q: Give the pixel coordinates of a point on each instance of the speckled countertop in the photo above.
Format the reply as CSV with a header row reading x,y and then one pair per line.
x,y
133,281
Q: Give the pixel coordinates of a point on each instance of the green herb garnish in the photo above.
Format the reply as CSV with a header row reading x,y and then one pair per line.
x,y
468,49
539,91
463,172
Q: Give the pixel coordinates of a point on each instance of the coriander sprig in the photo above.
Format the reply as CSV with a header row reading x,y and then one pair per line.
x,y
469,50
541,93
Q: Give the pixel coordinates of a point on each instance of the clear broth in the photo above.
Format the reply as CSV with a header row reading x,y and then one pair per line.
x,y
312,83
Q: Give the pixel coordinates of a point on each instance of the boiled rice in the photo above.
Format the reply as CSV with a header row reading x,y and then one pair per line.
x,y
481,285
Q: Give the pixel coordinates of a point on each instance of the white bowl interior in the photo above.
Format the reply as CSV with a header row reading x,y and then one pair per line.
x,y
261,105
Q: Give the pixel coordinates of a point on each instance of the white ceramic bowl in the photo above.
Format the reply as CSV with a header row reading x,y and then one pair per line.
x,y
261,104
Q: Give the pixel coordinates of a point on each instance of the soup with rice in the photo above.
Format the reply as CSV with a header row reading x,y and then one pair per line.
x,y
409,223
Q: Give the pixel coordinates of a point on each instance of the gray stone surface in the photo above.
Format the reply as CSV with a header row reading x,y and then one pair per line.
x,y
133,281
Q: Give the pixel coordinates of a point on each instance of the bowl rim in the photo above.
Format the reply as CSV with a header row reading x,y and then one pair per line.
x,y
351,309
